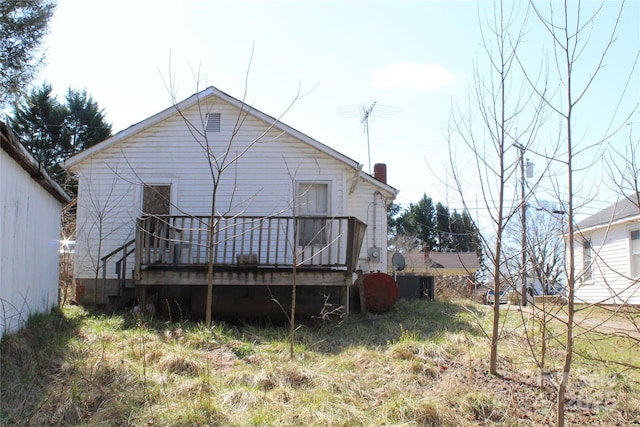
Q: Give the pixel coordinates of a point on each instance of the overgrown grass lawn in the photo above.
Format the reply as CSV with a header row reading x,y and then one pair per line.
x,y
422,363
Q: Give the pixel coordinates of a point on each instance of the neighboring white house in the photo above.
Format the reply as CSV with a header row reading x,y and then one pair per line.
x,y
160,166
607,255
30,223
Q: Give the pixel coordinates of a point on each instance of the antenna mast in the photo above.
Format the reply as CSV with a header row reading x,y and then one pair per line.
x,y
365,120
365,112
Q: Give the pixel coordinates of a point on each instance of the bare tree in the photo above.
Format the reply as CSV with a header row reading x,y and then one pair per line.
x,y
97,220
624,170
221,159
507,124
544,247
570,32
544,258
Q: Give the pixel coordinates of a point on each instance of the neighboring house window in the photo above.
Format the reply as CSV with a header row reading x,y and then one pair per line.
x,y
312,199
635,253
587,261
213,122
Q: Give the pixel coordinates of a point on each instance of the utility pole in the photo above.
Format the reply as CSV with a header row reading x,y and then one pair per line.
x,y
523,218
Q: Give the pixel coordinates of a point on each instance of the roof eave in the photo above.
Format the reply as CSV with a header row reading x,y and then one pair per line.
x,y
21,156
205,94
620,221
139,127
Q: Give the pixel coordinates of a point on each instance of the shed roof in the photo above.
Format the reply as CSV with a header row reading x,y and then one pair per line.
x,y
21,156
623,210
201,97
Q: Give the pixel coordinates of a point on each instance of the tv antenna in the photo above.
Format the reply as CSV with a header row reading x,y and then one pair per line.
x,y
365,120
364,111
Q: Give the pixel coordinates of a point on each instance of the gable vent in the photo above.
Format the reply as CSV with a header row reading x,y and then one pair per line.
x,y
213,122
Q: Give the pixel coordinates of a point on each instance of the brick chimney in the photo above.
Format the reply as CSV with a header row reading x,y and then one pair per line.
x,y
380,172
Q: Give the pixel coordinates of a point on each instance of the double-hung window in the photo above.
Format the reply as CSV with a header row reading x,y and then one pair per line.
x,y
635,253
587,261
312,200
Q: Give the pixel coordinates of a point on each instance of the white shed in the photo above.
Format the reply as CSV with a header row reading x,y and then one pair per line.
x,y
31,215
145,199
607,255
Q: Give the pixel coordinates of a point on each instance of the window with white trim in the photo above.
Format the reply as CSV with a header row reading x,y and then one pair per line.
x,y
587,261
634,239
312,199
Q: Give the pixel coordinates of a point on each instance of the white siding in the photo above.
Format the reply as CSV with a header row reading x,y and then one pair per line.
x,y
29,242
260,182
368,205
611,269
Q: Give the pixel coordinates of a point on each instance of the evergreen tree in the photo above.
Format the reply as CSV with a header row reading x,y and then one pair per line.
x,y
435,226
465,235
53,132
393,212
443,228
23,24
38,122
418,221
85,123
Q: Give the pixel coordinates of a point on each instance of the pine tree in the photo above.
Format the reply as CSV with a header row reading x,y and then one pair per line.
x,y
53,132
23,24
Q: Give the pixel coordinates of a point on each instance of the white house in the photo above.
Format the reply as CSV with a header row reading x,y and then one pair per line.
x,y
31,215
607,255
145,201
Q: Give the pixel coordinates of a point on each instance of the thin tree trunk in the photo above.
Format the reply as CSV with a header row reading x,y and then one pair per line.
x,y
568,357
211,247
493,359
292,316
98,264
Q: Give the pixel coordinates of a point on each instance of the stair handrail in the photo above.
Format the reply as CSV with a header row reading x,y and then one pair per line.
x,y
121,272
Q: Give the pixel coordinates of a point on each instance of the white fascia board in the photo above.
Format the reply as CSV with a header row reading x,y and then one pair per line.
x,y
205,94
613,224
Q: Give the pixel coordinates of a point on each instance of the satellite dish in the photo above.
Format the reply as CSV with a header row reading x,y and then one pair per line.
x,y
398,261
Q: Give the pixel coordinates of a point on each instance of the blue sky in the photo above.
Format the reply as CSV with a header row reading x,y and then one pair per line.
x,y
414,58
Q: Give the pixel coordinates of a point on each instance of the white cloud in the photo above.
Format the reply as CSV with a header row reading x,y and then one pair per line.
x,y
425,77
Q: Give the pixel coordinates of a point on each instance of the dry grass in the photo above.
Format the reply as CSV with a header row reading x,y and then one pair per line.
x,y
423,363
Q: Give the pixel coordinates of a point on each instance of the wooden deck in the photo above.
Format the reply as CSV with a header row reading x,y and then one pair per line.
x,y
253,260
176,250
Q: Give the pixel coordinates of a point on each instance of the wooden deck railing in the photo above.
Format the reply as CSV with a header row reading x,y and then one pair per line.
x,y
249,241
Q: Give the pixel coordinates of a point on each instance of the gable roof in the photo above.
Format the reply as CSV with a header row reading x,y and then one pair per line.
x,y
623,210
22,157
214,92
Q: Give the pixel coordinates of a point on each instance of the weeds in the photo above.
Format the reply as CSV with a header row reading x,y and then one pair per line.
x,y
419,364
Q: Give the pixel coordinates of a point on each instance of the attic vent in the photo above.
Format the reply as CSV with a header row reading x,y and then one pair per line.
x,y
213,122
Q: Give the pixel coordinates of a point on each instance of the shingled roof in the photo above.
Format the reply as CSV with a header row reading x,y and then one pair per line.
x,y
625,209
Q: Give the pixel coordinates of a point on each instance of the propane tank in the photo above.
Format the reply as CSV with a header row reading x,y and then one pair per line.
x,y
380,290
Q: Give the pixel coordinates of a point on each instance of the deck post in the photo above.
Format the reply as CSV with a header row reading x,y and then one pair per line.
x,y
139,246
363,299
143,298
